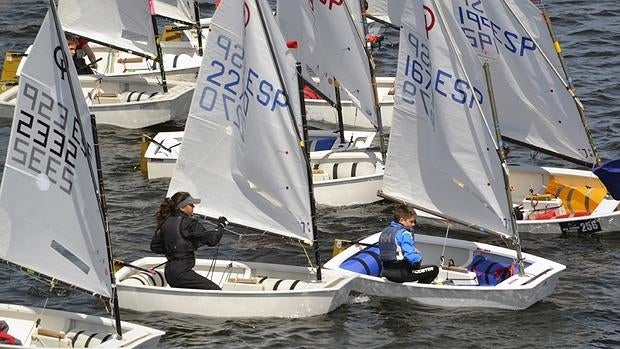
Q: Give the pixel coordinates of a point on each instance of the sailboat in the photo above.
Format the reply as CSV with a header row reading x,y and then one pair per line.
x,y
342,176
445,160
334,56
162,150
123,101
181,46
241,152
537,108
52,195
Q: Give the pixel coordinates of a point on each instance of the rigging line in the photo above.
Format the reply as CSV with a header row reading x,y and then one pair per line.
x,y
307,256
97,183
371,66
84,149
445,240
302,142
566,85
452,43
274,59
496,144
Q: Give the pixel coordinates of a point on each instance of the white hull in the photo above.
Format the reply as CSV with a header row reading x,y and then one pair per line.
x,y
343,185
358,189
181,62
456,288
243,294
127,102
603,219
340,187
59,328
319,110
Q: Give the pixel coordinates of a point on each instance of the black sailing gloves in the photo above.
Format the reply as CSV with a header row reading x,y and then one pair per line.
x,y
222,222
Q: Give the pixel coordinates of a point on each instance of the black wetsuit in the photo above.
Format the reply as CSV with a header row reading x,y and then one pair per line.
x,y
178,238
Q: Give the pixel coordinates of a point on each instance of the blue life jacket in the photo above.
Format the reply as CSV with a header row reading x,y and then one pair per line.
x,y
387,244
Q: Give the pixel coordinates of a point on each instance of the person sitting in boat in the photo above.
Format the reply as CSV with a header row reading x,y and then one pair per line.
x,y
178,235
401,259
80,63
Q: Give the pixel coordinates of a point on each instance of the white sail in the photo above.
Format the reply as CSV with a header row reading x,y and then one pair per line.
x,y
387,11
124,24
534,105
330,45
50,218
442,157
241,151
179,10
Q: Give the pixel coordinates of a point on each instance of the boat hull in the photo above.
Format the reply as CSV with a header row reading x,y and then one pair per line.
x,y
515,293
127,102
604,219
56,324
347,178
243,295
355,181
320,111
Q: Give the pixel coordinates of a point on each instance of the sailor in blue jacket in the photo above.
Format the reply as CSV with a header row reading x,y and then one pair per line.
x,y
401,259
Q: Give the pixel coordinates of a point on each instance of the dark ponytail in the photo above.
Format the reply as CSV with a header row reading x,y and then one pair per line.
x,y
168,207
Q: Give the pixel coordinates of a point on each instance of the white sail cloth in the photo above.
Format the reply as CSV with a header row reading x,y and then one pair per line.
x,y
50,217
241,151
179,10
442,157
124,24
388,11
534,105
330,46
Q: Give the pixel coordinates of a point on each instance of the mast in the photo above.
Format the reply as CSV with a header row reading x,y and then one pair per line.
x,y
302,139
338,107
497,136
570,88
303,143
371,65
106,225
502,156
98,191
160,56
198,27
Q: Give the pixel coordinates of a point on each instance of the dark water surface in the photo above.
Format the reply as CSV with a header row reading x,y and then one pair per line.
x,y
584,311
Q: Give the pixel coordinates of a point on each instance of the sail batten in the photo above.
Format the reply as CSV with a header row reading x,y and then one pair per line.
x,y
255,178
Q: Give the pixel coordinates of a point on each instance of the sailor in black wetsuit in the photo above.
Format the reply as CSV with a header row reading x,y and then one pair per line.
x,y
178,235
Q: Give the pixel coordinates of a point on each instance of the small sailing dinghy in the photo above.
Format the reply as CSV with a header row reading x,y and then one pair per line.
x,y
342,175
53,214
181,46
124,101
445,160
242,153
537,108
332,50
162,151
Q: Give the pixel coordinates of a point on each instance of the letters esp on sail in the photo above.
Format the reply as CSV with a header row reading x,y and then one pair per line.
x,y
442,157
241,151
